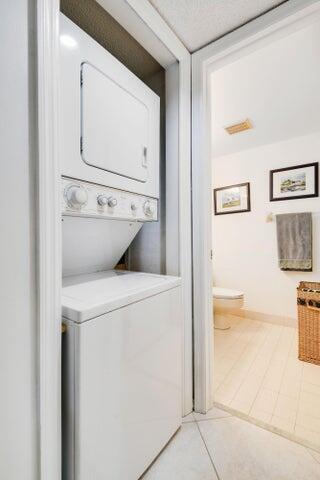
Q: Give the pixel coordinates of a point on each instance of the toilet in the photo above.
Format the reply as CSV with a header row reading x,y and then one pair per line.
x,y
228,300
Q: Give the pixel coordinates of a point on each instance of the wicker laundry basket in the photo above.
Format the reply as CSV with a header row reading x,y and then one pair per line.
x,y
308,300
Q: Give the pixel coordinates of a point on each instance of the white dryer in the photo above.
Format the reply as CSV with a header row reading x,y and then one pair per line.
x,y
109,118
122,372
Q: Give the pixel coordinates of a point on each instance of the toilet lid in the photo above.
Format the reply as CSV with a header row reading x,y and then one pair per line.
x,y
226,293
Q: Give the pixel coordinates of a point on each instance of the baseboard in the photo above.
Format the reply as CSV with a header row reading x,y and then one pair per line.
x,y
261,317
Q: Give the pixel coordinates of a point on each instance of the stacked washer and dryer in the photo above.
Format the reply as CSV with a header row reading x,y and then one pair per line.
x,y
122,346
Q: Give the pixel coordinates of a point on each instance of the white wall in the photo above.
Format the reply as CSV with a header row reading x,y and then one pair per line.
x,y
244,245
18,344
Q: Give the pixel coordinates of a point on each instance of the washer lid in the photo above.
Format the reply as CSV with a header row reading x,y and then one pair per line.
x,y
87,296
226,293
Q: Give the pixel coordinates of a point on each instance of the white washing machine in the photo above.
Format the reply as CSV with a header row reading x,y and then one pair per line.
x,y
122,347
122,372
109,118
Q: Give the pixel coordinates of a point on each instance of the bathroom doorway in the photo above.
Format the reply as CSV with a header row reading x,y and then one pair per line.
x,y
264,120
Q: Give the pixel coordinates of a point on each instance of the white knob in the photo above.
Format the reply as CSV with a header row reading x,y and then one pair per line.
x,y
148,208
134,206
102,200
76,196
112,202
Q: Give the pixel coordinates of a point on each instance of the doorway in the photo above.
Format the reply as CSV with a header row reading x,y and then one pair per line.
x,y
239,45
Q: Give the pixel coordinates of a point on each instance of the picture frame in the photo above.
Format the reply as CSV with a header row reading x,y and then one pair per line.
x,y
232,199
296,182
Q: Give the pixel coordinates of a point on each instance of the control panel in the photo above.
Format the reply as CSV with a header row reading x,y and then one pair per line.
x,y
91,200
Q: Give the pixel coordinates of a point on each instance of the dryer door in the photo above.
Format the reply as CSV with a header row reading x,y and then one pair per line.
x,y
114,126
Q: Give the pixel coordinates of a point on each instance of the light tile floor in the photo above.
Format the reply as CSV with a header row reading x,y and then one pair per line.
x,y
219,446
258,374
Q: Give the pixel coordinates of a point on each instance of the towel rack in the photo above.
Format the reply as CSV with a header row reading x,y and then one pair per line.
x,y
270,216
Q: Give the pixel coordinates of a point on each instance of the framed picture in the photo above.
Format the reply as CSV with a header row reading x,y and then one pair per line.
x,y
232,199
301,181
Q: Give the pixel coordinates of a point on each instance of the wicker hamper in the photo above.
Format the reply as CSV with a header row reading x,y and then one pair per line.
x,y
308,300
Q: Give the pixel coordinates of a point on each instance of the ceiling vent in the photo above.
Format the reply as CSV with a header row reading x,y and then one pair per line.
x,y
239,127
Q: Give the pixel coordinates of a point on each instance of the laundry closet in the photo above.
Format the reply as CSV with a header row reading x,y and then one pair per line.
x,y
121,356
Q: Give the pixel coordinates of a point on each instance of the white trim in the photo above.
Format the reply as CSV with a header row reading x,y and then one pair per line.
x,y
178,246
49,219
49,263
202,245
163,32
185,231
290,15
129,19
160,28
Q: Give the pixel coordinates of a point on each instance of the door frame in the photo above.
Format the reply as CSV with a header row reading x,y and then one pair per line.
x,y
274,24
135,15
49,244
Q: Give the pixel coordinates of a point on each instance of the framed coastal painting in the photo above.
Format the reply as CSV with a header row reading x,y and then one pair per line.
x,y
232,199
290,183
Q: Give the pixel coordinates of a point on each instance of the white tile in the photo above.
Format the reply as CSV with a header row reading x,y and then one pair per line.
x,y
294,366
309,404
236,375
188,418
225,392
247,393
242,451
260,365
290,388
274,375
292,376
286,408
285,424
265,400
294,349
310,388
211,414
260,415
314,454
241,404
263,378
311,373
185,458
224,365
308,421
306,434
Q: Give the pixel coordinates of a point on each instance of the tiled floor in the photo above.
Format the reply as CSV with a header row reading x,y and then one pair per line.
x,y
218,446
257,373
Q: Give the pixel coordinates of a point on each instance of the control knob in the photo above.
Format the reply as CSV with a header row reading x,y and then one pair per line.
x,y
112,202
148,208
134,206
102,200
76,196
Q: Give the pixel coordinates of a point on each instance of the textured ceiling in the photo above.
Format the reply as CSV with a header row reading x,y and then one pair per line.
x,y
275,86
199,22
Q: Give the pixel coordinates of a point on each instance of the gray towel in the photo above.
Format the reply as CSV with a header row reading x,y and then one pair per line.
x,y
294,235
